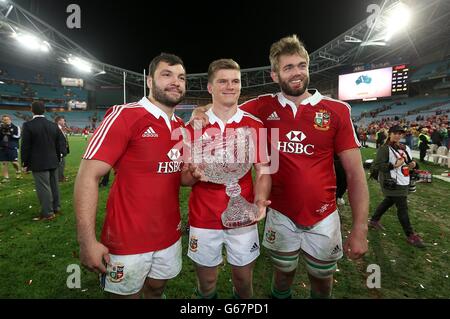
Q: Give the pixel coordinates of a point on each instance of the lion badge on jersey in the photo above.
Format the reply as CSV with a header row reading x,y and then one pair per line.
x,y
193,244
270,236
116,273
322,120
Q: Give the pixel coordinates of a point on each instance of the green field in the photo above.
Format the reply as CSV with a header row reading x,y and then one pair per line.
x,y
34,256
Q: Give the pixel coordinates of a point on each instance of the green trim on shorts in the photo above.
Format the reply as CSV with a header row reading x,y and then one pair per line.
x,y
285,258
321,266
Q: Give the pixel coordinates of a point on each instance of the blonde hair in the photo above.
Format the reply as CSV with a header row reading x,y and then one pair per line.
x,y
290,45
222,64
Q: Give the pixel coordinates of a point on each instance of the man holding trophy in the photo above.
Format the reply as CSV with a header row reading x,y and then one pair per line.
x,y
224,206
303,219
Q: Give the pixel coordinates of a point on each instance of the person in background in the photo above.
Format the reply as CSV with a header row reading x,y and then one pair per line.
x,y
9,144
394,162
424,143
61,122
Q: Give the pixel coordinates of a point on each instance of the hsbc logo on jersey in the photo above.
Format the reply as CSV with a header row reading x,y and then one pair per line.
x,y
174,154
171,167
295,145
296,136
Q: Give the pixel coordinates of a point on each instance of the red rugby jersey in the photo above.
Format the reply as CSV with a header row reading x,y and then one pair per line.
x,y
143,213
304,187
208,200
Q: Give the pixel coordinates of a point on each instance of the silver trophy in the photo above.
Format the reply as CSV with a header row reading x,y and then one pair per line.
x,y
225,160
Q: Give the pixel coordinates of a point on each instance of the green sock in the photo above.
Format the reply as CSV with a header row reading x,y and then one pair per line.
x,y
276,294
213,295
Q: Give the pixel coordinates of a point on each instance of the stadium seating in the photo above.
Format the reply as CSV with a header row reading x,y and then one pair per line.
x,y
430,71
21,85
359,108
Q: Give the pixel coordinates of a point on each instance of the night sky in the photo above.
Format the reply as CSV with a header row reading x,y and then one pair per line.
x,y
129,33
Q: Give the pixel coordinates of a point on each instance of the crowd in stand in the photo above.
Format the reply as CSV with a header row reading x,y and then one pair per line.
x,y
434,126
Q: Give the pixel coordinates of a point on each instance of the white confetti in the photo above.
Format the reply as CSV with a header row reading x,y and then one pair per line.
x,y
428,260
421,286
393,261
435,244
30,207
384,234
11,213
84,290
446,276
53,256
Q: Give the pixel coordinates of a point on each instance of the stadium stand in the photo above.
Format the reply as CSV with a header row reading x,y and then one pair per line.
x,y
431,71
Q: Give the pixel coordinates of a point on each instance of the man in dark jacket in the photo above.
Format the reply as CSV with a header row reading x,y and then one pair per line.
x,y
436,137
61,122
42,146
9,143
424,143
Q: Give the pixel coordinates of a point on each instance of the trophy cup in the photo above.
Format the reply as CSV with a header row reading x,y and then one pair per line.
x,y
225,160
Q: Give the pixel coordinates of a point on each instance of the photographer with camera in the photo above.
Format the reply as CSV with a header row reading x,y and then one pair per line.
x,y
394,163
9,144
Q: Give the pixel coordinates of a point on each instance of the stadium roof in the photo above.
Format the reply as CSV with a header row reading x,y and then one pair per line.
x,y
364,43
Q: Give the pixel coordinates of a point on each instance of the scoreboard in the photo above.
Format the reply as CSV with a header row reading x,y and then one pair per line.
x,y
400,77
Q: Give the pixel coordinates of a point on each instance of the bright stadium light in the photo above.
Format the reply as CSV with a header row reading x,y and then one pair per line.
x,y
32,42
45,47
397,19
80,64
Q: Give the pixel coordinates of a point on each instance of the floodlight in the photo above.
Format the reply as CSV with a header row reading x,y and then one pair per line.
x,y
45,47
80,64
31,42
398,18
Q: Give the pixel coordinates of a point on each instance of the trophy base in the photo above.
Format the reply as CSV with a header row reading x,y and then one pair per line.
x,y
239,213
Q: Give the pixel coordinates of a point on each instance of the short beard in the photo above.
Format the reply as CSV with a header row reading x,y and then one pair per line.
x,y
291,92
160,96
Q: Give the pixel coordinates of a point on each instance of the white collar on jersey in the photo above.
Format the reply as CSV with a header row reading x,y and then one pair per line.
x,y
213,119
156,111
314,99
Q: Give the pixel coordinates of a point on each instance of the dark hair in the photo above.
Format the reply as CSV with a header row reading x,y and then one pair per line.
x,y
38,108
170,59
58,118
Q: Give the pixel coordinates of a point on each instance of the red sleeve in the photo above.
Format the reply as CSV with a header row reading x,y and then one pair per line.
x,y
346,138
110,140
252,107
